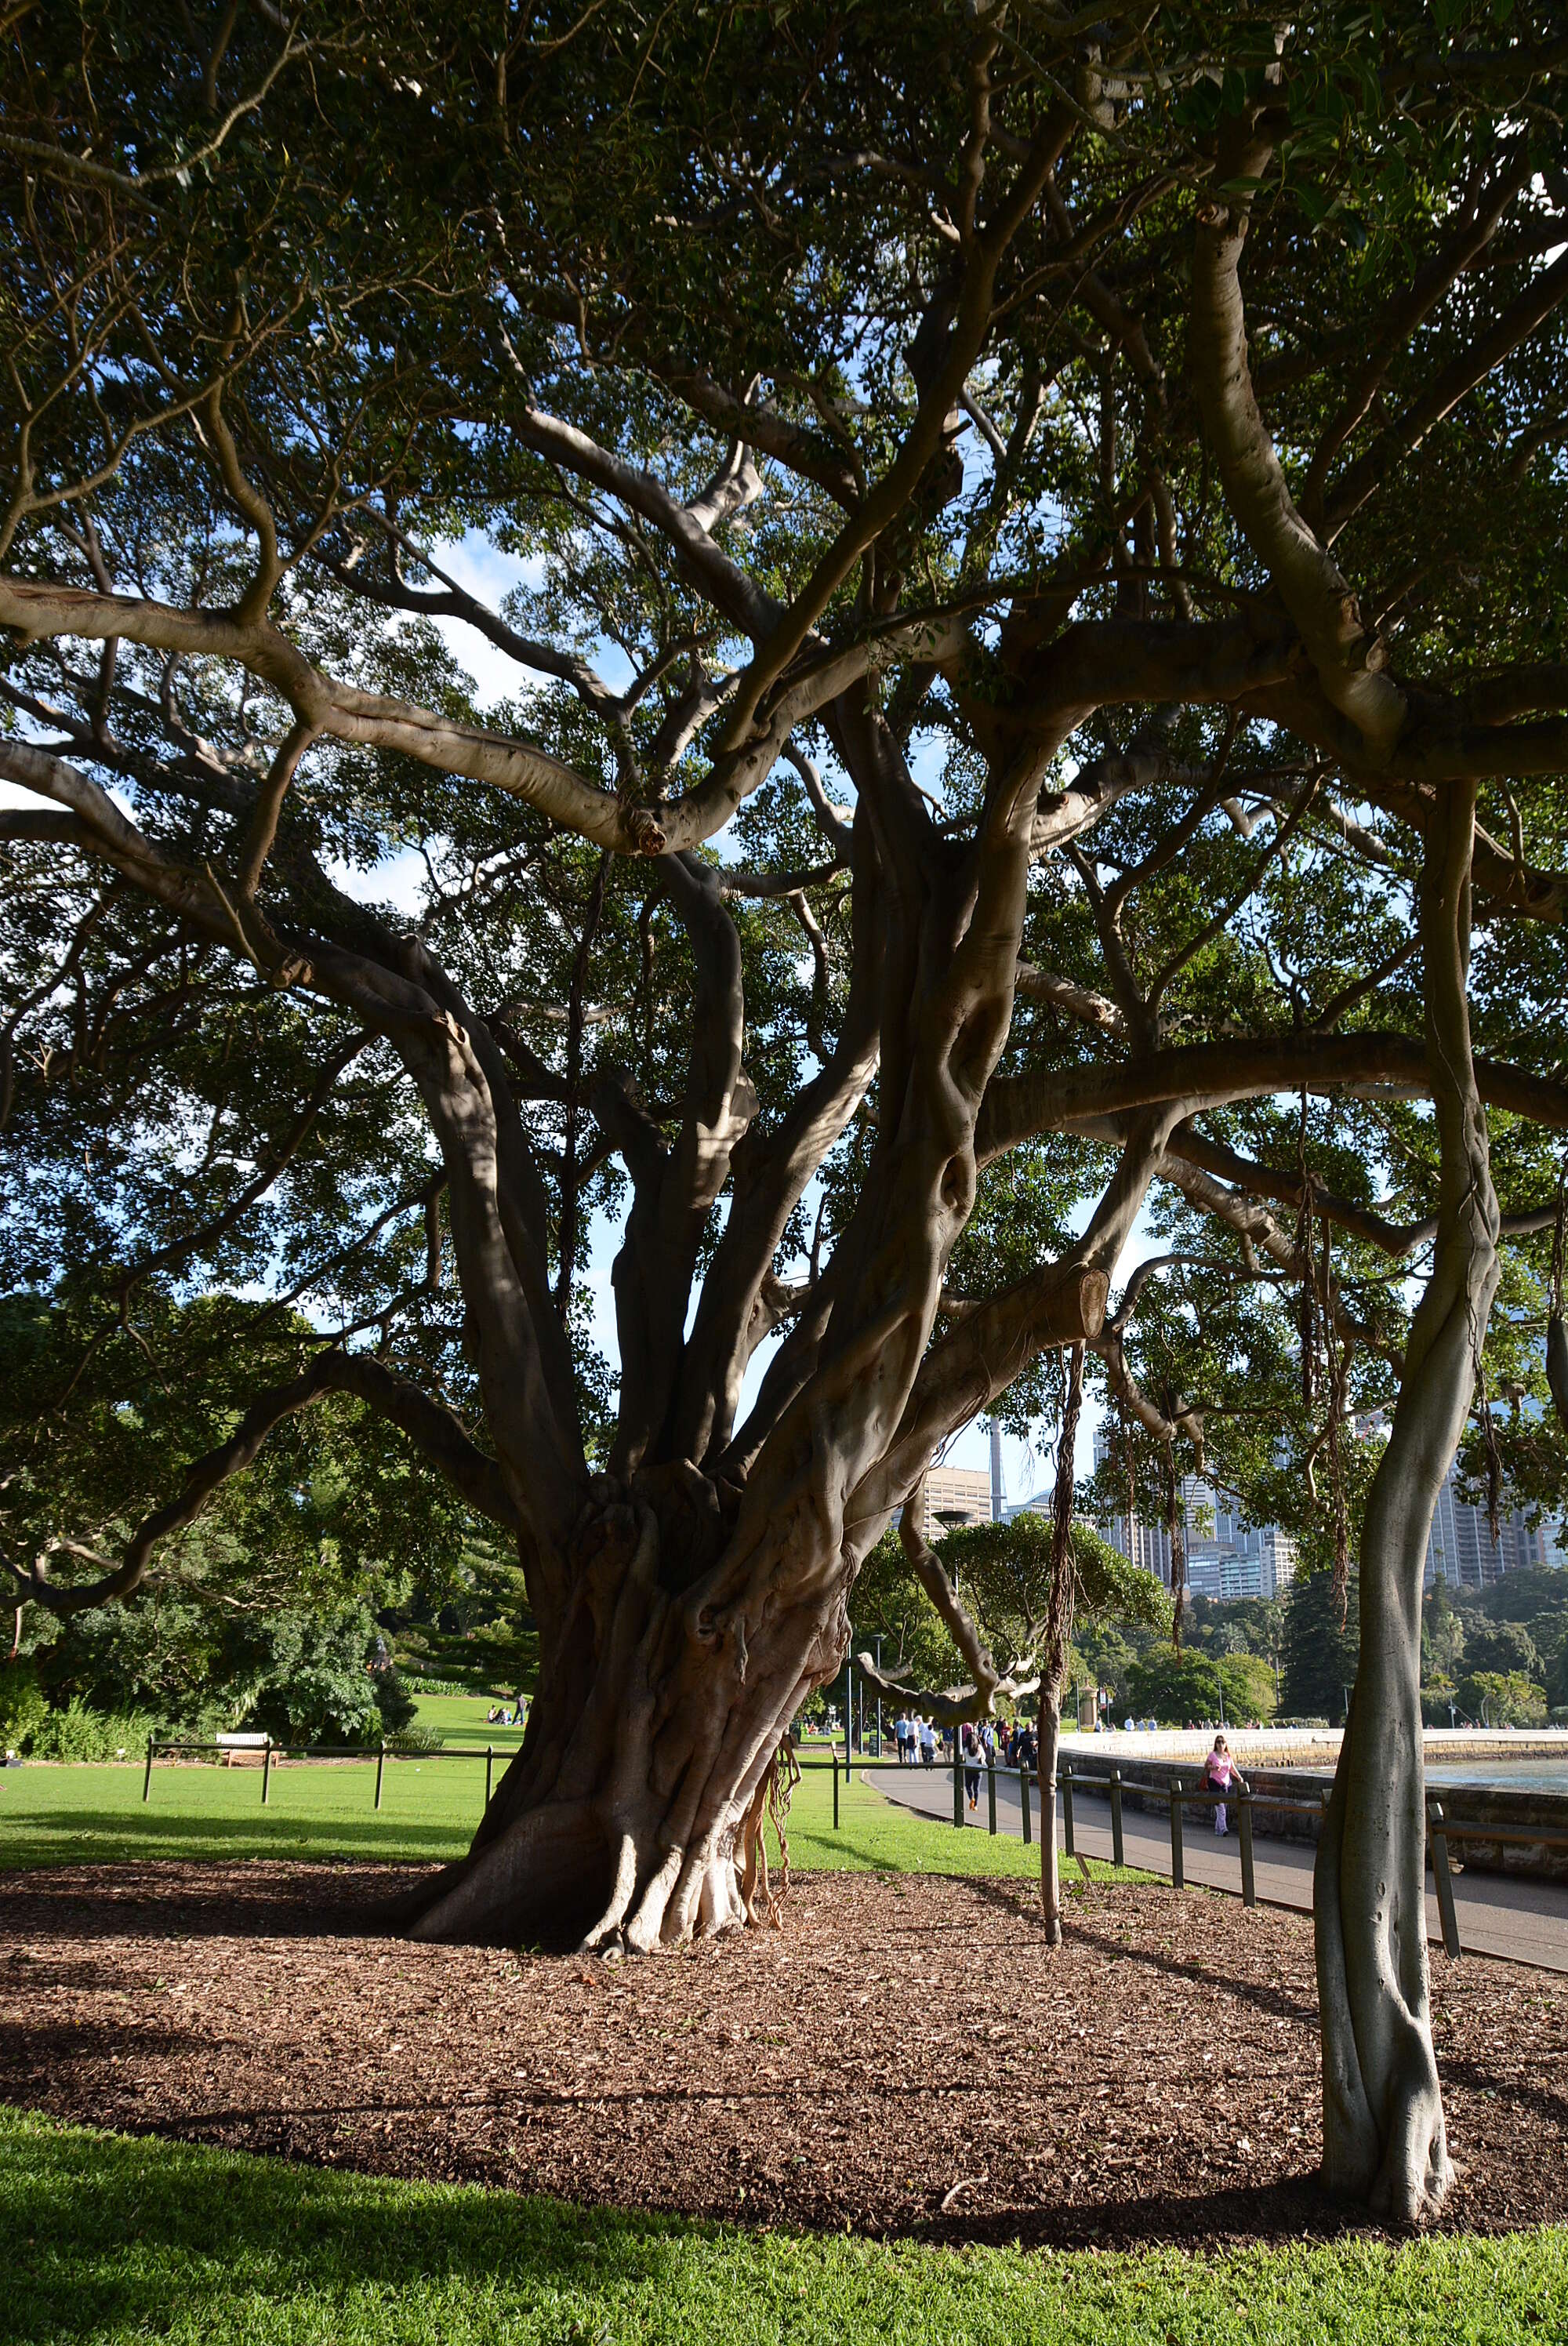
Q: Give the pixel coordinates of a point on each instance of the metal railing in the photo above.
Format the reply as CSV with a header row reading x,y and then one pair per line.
x,y
1179,1796
367,1751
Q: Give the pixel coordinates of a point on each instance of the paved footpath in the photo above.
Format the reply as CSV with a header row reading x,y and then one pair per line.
x,y
1499,1915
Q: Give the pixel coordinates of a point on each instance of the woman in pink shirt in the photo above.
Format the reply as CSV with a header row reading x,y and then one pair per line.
x,y
1221,1774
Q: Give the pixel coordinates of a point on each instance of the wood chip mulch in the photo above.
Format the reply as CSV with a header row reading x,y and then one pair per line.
x,y
904,2056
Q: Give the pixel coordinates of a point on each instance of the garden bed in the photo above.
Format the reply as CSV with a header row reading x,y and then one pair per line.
x,y
904,2057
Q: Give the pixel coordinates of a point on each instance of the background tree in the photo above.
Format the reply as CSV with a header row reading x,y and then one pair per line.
x,y
1010,1594
1321,1650
335,1520
960,781
1556,1687
1502,1698
1502,1645
1193,1688
1443,1632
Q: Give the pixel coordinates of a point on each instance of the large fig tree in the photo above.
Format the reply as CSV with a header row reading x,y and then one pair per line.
x,y
994,541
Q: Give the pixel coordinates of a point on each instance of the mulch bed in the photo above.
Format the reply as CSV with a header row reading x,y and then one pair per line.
x,y
904,2057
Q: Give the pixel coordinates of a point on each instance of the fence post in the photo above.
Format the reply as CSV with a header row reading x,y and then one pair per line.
x,y
489,1768
990,1792
146,1779
1066,1779
1024,1803
958,1817
380,1767
1117,1857
1443,1880
834,1755
1178,1871
1244,1819
266,1769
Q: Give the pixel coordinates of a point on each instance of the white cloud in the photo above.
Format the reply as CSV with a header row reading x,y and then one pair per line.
x,y
489,576
398,881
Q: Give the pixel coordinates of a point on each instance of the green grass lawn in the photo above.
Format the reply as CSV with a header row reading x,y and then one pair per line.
x,y
111,2239
459,1719
430,1806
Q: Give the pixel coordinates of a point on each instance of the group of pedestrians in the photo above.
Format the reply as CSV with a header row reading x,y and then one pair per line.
x,y
916,1739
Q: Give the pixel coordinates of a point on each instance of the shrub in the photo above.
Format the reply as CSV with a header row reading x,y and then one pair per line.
x,y
418,1684
317,1685
22,1707
415,1740
77,1733
393,1700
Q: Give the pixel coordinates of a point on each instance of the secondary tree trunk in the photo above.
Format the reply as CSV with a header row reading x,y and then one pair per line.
x,y
1383,2135
620,1822
1045,1774
1059,1611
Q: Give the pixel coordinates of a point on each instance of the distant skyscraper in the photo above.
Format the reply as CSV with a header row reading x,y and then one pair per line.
x,y
998,1490
1460,1545
1227,1556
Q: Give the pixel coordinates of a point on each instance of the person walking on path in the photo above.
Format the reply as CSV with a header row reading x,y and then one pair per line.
x,y
1221,1774
972,1764
927,1744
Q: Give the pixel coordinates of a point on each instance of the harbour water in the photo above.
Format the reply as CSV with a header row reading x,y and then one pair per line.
x,y
1530,1775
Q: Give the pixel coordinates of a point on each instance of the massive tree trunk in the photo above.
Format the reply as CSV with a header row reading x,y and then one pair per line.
x,y
619,1824
698,1598
1383,2135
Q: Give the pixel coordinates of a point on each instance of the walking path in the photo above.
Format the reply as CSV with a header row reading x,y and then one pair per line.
x,y
1499,1913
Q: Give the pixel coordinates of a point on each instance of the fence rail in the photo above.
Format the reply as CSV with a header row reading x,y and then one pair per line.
x,y
1179,1795
378,1752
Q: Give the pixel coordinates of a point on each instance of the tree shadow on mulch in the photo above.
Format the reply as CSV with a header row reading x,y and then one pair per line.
x,y
1298,2209
904,2057
243,1898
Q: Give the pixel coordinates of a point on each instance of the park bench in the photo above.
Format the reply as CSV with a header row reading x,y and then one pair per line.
x,y
233,1746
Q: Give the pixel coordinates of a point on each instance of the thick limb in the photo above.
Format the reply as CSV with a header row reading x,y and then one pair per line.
x,y
429,1425
949,1706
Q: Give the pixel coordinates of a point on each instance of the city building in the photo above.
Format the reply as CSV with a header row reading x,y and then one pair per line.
x,y
955,1492
1463,1549
1227,1555
1460,1545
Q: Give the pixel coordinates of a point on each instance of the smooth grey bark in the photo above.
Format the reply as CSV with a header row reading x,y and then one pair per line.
x,y
1384,2140
1058,1631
